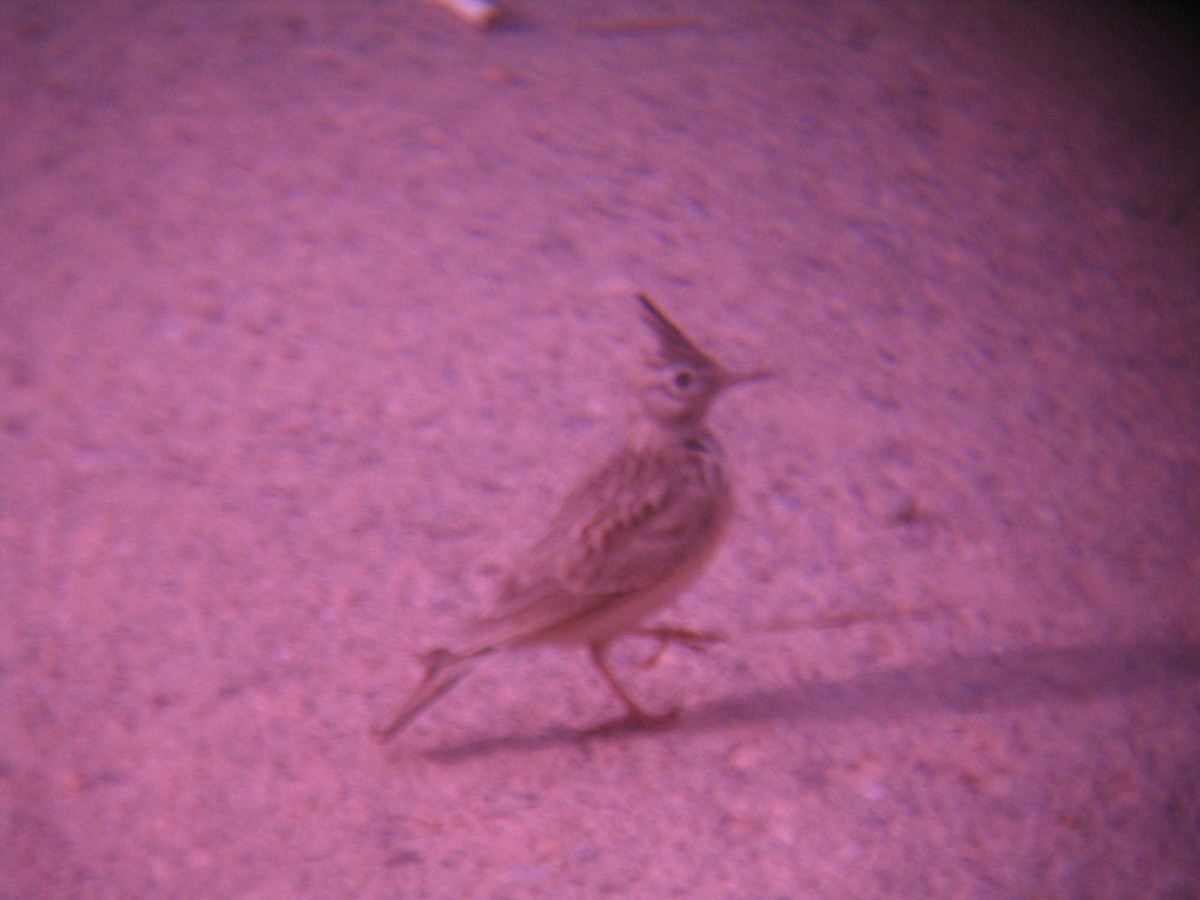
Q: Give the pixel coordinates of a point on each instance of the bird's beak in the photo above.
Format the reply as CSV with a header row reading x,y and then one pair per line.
x,y
733,378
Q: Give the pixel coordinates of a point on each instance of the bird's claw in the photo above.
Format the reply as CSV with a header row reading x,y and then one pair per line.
x,y
696,641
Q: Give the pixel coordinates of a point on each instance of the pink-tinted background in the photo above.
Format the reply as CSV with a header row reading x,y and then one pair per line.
x,y
309,310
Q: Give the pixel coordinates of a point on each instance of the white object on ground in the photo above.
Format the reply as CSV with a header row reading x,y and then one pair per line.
x,y
477,12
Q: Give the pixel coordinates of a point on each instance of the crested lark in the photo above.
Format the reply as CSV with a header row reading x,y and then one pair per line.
x,y
625,542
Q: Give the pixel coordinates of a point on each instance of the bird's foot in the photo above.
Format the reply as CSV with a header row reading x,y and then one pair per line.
x,y
696,641
635,720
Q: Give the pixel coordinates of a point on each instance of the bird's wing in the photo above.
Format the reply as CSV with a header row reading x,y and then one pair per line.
x,y
633,524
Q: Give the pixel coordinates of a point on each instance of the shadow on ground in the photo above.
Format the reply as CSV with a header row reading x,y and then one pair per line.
x,y
960,684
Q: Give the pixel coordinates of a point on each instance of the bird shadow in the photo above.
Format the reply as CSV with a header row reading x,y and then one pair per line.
x,y
957,684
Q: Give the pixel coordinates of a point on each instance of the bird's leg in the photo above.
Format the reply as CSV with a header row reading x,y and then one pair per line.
x,y
436,660
635,717
696,641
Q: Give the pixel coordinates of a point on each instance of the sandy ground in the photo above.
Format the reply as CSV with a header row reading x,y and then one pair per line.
x,y
308,312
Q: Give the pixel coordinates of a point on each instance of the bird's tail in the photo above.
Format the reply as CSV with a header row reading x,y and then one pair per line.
x,y
443,670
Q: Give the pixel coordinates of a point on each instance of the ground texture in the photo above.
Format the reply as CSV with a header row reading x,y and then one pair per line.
x,y
310,310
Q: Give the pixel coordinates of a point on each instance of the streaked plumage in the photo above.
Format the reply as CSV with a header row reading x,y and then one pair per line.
x,y
625,542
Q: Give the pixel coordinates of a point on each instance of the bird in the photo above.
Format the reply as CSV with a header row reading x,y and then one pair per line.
x,y
623,544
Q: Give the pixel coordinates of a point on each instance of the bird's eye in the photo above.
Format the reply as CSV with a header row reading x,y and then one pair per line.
x,y
683,379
